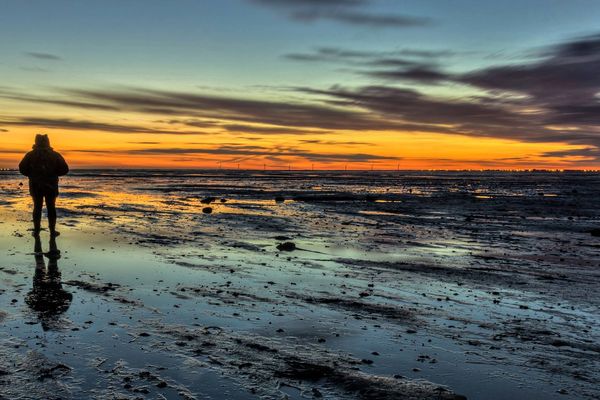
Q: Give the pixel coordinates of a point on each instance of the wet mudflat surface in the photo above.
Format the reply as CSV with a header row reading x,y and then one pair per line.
x,y
228,284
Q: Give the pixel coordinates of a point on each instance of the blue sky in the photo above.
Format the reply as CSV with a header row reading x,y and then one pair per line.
x,y
241,42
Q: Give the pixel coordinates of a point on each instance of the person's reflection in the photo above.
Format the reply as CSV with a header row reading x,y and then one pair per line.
x,y
47,297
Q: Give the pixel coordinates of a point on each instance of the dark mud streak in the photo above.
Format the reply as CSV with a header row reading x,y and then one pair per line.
x,y
227,294
267,364
482,276
363,308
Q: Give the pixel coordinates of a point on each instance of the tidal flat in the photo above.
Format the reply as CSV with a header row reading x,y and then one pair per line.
x,y
292,285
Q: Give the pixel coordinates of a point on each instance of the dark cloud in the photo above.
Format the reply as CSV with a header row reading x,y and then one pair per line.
x,y
269,130
563,86
344,11
361,18
197,110
403,65
43,56
430,53
286,114
196,123
395,62
492,164
335,142
310,57
322,56
566,76
335,54
368,108
240,153
354,57
589,153
421,73
420,112
377,58
341,110
83,125
54,100
255,151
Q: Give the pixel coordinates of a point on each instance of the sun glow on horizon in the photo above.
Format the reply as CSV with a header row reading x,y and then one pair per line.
x,y
331,151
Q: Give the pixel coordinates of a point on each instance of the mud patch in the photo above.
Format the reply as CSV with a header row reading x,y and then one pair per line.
x,y
265,365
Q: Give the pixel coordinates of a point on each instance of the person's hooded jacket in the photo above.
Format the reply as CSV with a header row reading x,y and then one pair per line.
x,y
43,166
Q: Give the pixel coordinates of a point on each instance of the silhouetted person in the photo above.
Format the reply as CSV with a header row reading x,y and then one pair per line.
x,y
43,166
47,297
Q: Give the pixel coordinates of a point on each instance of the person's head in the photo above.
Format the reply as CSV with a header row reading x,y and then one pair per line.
x,y
42,141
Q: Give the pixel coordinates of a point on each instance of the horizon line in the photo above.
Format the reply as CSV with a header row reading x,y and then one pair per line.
x,y
330,170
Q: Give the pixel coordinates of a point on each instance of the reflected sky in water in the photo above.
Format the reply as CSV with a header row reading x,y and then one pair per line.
x,y
137,255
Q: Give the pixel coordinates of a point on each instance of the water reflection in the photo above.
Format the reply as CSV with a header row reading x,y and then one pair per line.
x,y
47,297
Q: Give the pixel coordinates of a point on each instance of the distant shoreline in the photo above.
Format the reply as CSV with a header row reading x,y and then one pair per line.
x,y
184,170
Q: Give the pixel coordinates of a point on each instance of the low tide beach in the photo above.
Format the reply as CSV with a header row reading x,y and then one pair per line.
x,y
337,285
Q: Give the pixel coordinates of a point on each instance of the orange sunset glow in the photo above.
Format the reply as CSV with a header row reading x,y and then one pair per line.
x,y
404,150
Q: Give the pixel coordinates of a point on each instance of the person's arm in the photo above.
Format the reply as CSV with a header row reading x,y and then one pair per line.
x,y
25,165
62,168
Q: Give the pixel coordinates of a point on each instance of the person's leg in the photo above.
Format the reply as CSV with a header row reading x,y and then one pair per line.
x,y
38,202
51,208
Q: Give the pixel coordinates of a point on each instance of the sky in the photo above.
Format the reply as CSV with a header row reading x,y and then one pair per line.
x,y
302,84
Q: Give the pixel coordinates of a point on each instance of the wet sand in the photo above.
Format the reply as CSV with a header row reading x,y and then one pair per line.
x,y
398,285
